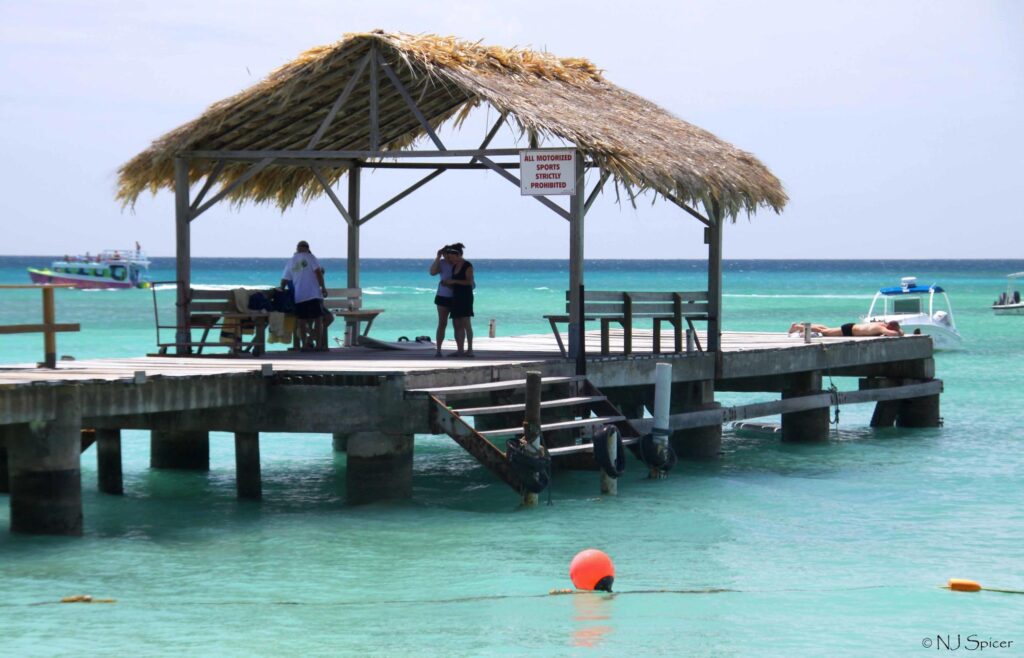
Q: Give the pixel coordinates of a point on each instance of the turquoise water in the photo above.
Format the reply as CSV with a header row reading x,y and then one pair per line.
x,y
833,549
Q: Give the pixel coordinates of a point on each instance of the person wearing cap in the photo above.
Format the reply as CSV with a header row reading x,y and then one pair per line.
x,y
307,277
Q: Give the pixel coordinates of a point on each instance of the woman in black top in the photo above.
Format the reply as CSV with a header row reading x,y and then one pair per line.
x,y
462,285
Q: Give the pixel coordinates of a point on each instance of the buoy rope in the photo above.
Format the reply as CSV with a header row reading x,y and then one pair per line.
x,y
495,597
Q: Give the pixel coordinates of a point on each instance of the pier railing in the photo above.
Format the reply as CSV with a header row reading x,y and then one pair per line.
x,y
48,327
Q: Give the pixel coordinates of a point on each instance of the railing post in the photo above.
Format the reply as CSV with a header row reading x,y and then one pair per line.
x,y
49,337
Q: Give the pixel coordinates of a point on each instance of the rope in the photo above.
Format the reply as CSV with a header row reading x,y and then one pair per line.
x,y
492,597
832,389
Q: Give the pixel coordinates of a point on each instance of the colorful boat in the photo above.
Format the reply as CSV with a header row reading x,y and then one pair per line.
x,y
113,268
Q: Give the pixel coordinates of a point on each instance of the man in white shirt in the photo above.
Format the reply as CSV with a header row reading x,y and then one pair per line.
x,y
307,277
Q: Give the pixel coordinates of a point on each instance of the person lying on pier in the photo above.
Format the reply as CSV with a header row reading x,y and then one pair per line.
x,y
849,329
307,277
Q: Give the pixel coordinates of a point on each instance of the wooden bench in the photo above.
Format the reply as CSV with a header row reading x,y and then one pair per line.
x,y
622,308
211,308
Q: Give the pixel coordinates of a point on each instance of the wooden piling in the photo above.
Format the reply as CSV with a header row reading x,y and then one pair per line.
x,y
610,485
531,423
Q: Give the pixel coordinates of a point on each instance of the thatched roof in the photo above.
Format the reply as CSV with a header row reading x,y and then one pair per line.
x,y
642,145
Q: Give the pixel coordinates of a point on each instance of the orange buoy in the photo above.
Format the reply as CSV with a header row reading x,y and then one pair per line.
x,y
963,585
592,570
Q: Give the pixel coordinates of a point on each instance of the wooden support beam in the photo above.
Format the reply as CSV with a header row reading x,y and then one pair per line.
x,y
401,195
241,180
374,102
389,72
792,405
248,479
713,238
338,103
352,263
597,190
330,193
577,212
183,255
210,180
257,155
701,218
561,212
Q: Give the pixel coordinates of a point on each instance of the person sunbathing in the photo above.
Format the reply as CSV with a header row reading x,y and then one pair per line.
x,y
850,329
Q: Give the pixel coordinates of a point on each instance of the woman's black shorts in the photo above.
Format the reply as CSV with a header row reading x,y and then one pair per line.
x,y
462,307
443,301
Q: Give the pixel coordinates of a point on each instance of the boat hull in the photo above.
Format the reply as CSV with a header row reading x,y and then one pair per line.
x,y
943,336
44,276
1008,309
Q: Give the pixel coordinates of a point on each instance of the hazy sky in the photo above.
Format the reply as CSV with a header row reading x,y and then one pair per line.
x,y
895,126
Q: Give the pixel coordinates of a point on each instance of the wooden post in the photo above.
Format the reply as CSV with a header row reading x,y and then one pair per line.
x,y
577,210
183,255
108,461
531,423
354,214
49,337
610,485
662,406
713,238
247,465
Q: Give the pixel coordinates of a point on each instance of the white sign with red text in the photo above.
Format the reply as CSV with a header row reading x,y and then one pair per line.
x,y
547,171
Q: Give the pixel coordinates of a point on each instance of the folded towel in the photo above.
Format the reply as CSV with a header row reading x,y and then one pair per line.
x,y
281,326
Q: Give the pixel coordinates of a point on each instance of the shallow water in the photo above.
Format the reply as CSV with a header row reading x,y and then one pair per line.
x,y
775,549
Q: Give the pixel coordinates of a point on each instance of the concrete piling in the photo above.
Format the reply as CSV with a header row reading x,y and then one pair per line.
x,y
5,431
180,450
809,426
108,461
248,478
339,441
919,412
697,443
45,472
379,467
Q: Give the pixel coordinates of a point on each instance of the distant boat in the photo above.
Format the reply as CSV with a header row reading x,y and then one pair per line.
x,y
1009,302
113,268
905,304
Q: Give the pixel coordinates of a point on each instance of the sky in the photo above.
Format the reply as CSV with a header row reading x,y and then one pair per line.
x,y
894,126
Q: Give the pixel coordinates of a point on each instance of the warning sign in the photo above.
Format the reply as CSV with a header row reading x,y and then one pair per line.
x,y
547,171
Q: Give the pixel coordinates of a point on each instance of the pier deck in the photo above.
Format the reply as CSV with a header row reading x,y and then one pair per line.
x,y
374,402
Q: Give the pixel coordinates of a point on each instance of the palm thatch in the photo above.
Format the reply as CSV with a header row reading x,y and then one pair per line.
x,y
641,145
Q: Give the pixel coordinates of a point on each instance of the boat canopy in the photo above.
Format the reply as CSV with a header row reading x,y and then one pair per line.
x,y
900,290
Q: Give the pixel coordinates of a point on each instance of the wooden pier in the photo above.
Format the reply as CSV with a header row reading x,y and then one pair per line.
x,y
375,402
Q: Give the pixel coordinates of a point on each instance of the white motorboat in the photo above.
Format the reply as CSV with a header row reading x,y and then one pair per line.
x,y
1009,302
919,310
